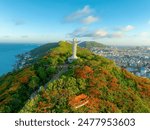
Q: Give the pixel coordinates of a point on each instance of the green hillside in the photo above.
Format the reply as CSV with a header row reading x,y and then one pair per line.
x,y
33,55
43,49
90,84
90,44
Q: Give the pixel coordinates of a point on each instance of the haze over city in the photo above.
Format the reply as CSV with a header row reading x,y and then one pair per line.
x,y
112,22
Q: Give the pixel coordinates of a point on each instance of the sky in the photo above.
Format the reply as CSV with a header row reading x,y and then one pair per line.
x,y
111,22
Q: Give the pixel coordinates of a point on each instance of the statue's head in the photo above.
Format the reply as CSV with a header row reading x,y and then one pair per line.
x,y
75,40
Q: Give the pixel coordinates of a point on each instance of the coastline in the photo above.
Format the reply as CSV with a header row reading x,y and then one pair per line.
x,y
8,55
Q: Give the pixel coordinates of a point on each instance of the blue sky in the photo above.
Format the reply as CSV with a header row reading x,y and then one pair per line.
x,y
112,22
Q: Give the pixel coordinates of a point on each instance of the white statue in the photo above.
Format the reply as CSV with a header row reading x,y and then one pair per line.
x,y
74,51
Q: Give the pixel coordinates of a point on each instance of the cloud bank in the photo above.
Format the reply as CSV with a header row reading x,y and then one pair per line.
x,y
89,19
101,33
84,15
126,28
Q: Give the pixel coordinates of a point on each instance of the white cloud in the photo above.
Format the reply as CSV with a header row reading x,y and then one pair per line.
x,y
117,34
79,14
84,32
85,10
113,37
127,28
100,33
89,19
78,32
104,34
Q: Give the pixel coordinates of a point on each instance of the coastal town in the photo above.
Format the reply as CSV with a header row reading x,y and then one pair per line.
x,y
134,59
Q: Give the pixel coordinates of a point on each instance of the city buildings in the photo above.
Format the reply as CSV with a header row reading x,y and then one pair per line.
x,y
134,59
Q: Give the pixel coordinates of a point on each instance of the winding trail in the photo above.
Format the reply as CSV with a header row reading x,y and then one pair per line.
x,y
62,69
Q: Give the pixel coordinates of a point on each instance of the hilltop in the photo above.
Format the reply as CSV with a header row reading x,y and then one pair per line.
x,y
33,55
90,84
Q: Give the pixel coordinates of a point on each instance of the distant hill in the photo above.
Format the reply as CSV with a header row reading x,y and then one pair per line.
x,y
43,49
92,83
32,56
90,44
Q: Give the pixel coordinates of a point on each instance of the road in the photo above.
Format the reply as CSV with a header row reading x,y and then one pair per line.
x,y
62,68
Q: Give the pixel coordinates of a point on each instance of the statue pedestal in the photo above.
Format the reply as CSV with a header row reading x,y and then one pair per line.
x,y
72,58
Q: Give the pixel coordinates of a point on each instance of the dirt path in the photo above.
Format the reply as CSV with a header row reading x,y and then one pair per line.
x,y
63,69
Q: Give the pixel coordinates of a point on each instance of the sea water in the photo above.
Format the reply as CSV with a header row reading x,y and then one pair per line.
x,y
8,54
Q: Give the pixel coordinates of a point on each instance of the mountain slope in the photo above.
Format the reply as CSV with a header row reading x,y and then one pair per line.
x,y
33,55
90,84
43,49
90,44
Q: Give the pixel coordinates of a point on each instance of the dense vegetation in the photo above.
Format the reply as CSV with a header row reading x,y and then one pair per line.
x,y
43,49
28,58
33,56
90,84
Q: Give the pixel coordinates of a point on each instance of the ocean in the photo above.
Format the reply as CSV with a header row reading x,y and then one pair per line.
x,y
8,54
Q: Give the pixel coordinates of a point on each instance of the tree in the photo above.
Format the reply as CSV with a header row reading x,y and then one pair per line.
x,y
51,70
34,82
42,74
